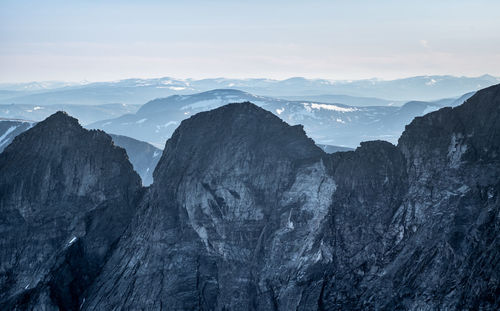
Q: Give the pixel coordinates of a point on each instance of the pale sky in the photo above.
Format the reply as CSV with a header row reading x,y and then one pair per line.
x,y
110,40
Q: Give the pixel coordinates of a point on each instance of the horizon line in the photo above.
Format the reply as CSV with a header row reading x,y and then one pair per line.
x,y
85,81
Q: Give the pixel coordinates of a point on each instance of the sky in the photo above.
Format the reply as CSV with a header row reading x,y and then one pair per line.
x,y
110,40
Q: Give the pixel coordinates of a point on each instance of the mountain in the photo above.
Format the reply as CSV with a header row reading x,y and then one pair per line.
x,y
9,129
247,213
84,113
462,99
156,120
333,149
345,99
332,124
138,91
142,155
66,196
35,86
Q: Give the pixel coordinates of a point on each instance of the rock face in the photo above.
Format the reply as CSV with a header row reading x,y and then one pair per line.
x,y
66,196
142,155
247,213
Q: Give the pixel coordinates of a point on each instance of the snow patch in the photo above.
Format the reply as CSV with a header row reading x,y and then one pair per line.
x,y
2,138
177,88
73,239
141,121
279,111
430,82
310,106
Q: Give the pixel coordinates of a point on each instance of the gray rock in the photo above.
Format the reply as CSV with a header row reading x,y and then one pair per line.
x,y
247,213
66,196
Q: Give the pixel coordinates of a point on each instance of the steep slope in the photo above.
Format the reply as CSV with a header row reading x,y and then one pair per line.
x,y
246,213
224,190
66,195
440,247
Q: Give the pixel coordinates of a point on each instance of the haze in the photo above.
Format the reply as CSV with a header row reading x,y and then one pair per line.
x,y
97,41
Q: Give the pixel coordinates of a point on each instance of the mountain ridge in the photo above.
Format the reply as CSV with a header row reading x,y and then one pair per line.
x,y
246,212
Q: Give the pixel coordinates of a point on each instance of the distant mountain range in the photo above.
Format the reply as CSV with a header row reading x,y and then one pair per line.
x,y
86,113
332,124
368,92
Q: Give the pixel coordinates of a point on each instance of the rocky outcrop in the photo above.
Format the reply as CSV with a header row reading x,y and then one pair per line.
x,y
66,196
247,213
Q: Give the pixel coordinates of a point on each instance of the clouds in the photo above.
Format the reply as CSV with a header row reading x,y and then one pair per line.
x,y
424,43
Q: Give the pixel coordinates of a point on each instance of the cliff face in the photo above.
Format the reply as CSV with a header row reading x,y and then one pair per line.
x,y
246,213
66,195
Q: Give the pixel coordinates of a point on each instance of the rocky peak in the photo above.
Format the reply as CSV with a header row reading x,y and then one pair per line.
x,y
246,213
454,136
231,136
66,195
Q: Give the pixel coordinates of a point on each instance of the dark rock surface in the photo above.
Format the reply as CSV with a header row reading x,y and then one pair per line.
x,y
66,196
247,213
142,155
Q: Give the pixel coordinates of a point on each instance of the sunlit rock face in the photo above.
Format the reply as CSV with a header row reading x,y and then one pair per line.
x,y
247,213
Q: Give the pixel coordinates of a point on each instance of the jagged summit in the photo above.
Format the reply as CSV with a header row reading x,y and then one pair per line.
x,y
62,120
237,130
246,120
466,132
66,195
246,213
59,131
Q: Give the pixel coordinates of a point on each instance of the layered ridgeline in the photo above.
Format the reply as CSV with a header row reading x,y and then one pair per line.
x,y
138,91
326,123
247,213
